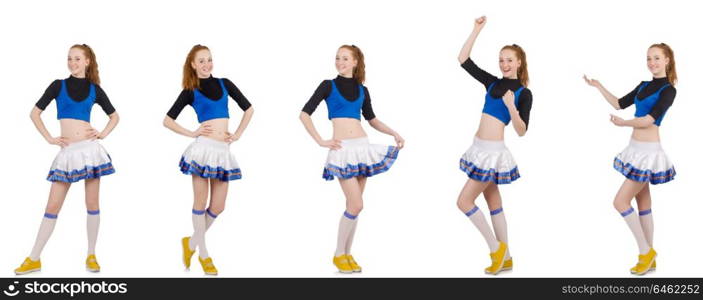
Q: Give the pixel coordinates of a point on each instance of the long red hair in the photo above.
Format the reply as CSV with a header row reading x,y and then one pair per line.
x,y
359,72
91,71
671,67
190,77
522,73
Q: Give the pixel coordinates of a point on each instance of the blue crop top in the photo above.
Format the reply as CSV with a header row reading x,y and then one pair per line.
x,y
208,109
67,108
495,106
644,106
496,88
338,107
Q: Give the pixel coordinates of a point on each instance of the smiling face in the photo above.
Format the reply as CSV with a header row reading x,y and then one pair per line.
x,y
202,63
77,62
657,62
345,62
509,63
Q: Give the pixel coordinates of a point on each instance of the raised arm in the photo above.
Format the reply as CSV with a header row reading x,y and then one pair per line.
x,y
606,94
469,44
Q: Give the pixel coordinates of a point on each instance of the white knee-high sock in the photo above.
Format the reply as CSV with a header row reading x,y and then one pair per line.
x,y
350,239
634,223
92,225
476,217
45,229
647,225
197,240
500,226
209,219
346,225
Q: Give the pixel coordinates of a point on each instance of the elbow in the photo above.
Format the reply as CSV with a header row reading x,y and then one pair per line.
x,y
34,114
645,121
167,121
303,116
249,111
114,117
645,124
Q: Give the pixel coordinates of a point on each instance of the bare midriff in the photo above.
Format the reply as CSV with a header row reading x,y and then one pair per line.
x,y
74,130
490,128
646,134
347,128
219,128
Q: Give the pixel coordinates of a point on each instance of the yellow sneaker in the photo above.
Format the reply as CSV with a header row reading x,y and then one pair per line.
x,y
644,263
187,253
654,266
28,266
507,265
355,267
208,266
497,259
91,264
342,264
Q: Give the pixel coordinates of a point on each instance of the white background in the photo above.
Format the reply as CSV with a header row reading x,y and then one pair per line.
x,y
281,219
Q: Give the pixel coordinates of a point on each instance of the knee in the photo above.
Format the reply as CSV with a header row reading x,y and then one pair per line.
x,y
620,205
464,205
459,204
216,209
355,208
91,202
494,202
200,198
53,208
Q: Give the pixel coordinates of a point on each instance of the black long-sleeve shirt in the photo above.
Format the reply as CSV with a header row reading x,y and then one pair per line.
x,y
349,89
666,98
78,89
210,87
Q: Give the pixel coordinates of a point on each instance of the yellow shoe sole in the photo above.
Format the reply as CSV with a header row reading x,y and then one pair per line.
x,y
27,271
